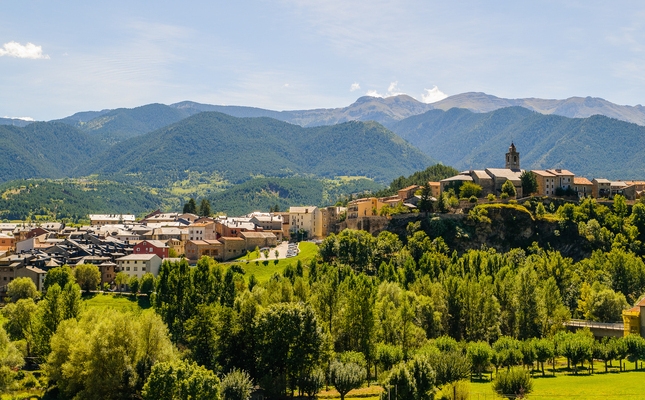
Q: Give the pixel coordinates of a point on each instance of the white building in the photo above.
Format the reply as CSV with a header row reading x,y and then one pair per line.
x,y
139,264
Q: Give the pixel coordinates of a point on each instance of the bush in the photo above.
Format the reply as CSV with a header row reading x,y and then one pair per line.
x,y
514,383
504,196
491,197
473,199
459,390
236,385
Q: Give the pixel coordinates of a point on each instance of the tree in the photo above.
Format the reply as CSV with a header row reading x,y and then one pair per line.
x,y
529,183
121,279
413,380
181,380
236,385
204,208
290,343
509,189
479,354
513,383
190,207
469,189
346,377
106,354
134,285
21,322
425,203
173,298
10,360
147,284
312,383
22,288
544,351
59,275
88,276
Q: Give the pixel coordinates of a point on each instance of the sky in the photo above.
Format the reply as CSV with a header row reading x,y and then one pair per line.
x,y
58,58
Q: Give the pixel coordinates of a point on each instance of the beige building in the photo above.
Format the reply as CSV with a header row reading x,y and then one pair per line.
x,y
601,187
304,219
582,186
139,264
545,181
196,249
259,239
366,207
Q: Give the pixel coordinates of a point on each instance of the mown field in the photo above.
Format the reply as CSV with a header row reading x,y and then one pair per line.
x,y
264,270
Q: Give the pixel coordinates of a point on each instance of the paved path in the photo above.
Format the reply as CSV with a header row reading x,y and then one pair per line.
x,y
282,252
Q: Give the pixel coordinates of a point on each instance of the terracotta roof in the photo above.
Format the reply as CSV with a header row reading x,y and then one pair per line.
x,y
542,173
559,171
579,180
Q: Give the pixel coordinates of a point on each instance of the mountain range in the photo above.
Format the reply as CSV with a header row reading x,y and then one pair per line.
x,y
191,149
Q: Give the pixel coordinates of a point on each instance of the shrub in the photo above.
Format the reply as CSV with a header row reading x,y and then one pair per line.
x,y
504,196
236,385
491,197
514,383
473,199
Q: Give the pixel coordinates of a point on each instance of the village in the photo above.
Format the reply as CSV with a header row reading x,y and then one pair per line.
x,y
120,243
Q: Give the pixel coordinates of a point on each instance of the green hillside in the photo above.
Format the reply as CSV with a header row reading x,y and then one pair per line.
x,y
594,147
124,123
71,199
44,150
239,149
262,193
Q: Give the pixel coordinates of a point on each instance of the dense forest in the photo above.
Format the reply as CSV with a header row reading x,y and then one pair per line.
x,y
399,310
71,200
597,146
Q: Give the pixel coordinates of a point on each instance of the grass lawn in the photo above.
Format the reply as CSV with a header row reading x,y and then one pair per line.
x,y
613,385
123,302
263,272
365,393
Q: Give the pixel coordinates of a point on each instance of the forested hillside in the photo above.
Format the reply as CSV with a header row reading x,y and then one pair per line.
x,y
594,147
68,200
123,123
44,150
241,148
261,194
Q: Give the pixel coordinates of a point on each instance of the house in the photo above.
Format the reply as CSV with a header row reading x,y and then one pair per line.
x,y
36,243
545,182
202,231
7,242
582,186
259,239
269,222
139,264
37,275
108,272
195,249
435,189
303,221
111,219
233,247
232,227
563,178
407,192
177,245
151,247
501,175
365,207
601,188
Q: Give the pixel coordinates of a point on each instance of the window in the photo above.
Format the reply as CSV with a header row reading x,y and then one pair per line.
x,y
143,269
127,268
135,268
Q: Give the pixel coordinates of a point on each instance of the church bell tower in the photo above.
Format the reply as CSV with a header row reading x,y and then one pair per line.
x,y
512,158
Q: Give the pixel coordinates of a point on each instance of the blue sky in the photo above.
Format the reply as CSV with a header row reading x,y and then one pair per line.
x,y
57,58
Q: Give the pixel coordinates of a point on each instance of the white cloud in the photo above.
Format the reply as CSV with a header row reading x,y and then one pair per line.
x,y
355,86
392,90
21,118
433,95
16,50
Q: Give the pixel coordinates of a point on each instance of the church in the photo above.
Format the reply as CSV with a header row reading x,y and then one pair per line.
x,y
491,179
